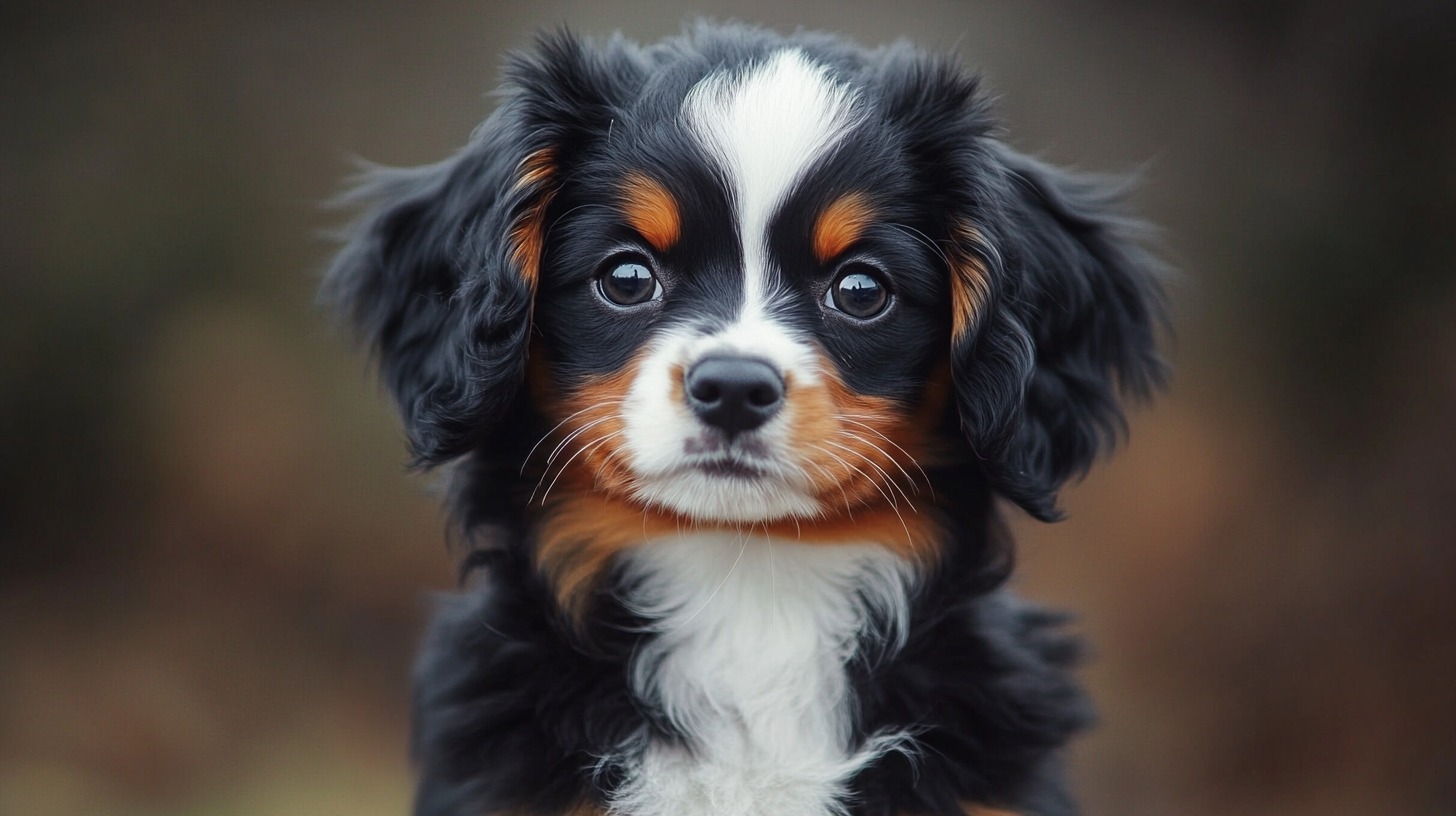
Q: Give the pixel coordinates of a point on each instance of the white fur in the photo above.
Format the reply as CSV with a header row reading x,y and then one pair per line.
x,y
749,662
751,634
764,129
659,427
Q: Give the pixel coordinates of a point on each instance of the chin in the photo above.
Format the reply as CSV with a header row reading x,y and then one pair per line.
x,y
738,348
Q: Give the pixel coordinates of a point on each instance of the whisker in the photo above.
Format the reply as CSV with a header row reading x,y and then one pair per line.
x,y
913,484
852,418
909,539
839,483
889,499
567,464
884,474
553,430
924,239
574,434
546,470
590,445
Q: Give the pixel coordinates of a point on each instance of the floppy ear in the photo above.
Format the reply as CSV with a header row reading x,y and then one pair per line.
x,y
1054,305
1068,330
439,274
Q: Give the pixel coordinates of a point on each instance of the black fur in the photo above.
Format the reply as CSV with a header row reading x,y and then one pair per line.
x,y
513,709
1086,295
985,678
514,706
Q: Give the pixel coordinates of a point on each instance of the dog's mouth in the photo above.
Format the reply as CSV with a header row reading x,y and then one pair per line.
x,y
729,469
744,480
714,455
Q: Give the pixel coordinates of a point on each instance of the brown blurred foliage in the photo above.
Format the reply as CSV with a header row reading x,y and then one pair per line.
x,y
213,568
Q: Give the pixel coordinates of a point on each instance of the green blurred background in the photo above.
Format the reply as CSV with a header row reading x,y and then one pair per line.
x,y
213,566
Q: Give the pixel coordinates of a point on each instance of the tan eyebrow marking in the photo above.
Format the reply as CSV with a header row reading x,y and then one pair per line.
x,y
840,225
652,211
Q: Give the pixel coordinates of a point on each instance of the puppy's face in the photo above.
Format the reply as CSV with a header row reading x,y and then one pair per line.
x,y
740,315
748,280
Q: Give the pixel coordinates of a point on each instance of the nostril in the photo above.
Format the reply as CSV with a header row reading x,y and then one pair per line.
x,y
707,391
763,395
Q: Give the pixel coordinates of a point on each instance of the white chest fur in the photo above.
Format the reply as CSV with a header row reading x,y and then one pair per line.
x,y
749,662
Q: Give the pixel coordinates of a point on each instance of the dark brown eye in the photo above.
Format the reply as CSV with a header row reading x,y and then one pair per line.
x,y
859,291
628,282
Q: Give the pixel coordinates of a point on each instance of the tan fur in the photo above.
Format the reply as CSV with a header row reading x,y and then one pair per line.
x,y
860,452
840,225
970,281
652,211
528,235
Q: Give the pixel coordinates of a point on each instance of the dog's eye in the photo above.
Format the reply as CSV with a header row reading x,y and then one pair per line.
x,y
859,291
628,281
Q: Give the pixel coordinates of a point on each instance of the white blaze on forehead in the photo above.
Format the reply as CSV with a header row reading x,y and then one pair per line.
x,y
765,128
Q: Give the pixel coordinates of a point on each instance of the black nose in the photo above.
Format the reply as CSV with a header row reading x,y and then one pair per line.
x,y
735,394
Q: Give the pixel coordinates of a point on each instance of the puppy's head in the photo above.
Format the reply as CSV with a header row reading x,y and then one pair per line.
x,y
750,280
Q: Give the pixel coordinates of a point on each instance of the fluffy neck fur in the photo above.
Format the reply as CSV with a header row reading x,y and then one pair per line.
x,y
715,673
748,660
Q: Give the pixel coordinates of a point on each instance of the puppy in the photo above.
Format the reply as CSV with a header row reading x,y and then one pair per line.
x,y
731,344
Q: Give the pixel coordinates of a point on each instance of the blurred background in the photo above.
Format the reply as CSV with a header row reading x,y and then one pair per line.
x,y
214,568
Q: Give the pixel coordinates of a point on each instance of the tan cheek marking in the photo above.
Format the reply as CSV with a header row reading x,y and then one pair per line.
x,y
652,211
528,235
590,437
863,456
589,518
583,524
970,281
840,225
